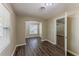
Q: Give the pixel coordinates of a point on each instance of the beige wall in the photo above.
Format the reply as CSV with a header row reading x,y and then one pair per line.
x,y
52,31
52,28
73,29
73,35
49,30
21,28
8,50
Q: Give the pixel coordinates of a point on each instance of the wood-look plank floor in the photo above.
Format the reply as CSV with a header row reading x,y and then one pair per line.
x,y
60,42
34,47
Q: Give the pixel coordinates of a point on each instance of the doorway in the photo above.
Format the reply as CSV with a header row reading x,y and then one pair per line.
x,y
61,34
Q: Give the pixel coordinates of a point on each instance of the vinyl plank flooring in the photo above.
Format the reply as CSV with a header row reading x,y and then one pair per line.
x,y
35,47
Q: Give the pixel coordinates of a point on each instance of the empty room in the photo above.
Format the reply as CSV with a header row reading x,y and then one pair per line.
x,y
39,29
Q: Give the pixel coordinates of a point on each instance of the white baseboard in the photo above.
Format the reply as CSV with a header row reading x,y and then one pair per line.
x,y
52,42
20,44
43,40
49,41
16,47
13,51
73,53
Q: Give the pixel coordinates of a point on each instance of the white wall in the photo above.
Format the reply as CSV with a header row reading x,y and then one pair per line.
x,y
8,50
21,28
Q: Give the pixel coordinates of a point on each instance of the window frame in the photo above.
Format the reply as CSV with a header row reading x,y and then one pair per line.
x,y
33,24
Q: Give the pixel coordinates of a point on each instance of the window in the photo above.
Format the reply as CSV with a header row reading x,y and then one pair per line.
x,y
33,28
1,29
4,28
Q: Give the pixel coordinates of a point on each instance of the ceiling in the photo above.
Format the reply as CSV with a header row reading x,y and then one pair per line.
x,y
33,9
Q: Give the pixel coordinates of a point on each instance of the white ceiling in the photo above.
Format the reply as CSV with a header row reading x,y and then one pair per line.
x,y
33,10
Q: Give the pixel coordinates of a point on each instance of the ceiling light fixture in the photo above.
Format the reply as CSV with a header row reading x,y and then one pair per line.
x,y
48,4
45,5
43,8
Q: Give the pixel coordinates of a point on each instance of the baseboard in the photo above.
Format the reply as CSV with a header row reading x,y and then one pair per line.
x,y
49,41
43,40
13,51
20,44
73,53
16,47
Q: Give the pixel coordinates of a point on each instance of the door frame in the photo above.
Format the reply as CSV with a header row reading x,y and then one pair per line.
x,y
27,28
65,31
